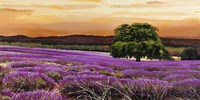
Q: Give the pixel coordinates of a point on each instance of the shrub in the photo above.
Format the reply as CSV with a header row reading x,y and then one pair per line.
x,y
190,54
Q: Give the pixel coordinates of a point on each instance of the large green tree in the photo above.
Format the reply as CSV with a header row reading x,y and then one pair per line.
x,y
138,40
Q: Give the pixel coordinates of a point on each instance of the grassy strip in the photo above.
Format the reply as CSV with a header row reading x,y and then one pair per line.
x,y
175,51
102,48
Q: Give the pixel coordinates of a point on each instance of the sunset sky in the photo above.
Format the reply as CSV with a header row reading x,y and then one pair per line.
x,y
174,18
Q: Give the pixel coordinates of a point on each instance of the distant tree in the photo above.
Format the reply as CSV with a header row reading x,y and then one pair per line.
x,y
190,54
138,40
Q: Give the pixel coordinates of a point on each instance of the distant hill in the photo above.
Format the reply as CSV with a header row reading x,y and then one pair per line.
x,y
91,40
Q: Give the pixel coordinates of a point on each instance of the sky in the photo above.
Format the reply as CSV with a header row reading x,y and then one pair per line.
x,y
41,18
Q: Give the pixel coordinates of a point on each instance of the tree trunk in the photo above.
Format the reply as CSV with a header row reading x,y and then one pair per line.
x,y
138,59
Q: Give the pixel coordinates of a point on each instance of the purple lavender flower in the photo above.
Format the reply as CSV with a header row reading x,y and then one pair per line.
x,y
19,79
22,64
73,69
38,95
189,83
7,92
178,77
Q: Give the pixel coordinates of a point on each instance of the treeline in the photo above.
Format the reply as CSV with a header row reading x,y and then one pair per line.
x,y
91,40
61,40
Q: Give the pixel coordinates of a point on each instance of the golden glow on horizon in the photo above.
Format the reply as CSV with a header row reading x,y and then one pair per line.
x,y
176,18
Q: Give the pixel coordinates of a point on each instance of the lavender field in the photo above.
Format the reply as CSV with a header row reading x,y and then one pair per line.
x,y
49,74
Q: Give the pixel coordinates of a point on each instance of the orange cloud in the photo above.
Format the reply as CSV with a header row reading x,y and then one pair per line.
x,y
72,7
98,1
9,15
152,13
196,11
155,2
137,5
16,10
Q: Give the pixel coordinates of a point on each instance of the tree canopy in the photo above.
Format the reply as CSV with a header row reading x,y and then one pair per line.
x,y
138,40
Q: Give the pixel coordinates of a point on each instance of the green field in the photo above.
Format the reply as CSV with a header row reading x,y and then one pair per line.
x,y
174,51
102,48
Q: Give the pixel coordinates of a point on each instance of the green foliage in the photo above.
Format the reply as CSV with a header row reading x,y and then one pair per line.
x,y
175,51
190,54
119,49
138,40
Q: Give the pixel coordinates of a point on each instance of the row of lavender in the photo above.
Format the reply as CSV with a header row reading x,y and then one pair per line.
x,y
43,74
